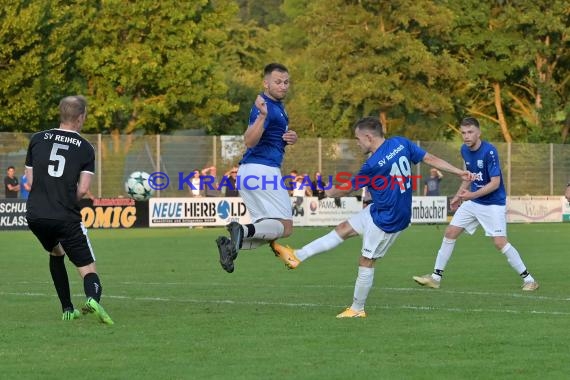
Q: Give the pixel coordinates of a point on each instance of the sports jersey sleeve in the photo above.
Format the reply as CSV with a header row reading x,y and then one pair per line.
x,y
252,116
417,154
89,164
254,113
492,163
29,157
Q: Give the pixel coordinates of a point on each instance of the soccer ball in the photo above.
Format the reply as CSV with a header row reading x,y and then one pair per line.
x,y
137,186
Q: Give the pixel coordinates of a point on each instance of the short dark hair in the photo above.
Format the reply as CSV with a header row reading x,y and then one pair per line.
x,y
371,124
268,69
10,167
469,121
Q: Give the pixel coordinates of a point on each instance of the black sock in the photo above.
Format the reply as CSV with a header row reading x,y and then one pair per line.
x,y
60,281
92,286
250,230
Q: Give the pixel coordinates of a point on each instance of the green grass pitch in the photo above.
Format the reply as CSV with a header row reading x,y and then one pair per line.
x,y
178,315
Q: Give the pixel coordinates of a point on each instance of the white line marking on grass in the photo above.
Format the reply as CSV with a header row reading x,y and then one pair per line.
x,y
521,294
301,304
486,294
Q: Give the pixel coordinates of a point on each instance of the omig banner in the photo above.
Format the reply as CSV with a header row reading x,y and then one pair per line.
x,y
114,213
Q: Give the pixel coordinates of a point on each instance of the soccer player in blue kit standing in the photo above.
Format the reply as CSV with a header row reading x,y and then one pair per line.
x,y
381,222
483,203
267,201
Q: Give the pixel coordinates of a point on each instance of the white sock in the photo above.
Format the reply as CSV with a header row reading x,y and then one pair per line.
x,y
268,229
249,243
362,287
516,262
443,256
322,244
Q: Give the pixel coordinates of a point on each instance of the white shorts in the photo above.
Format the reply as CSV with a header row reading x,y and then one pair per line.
x,y
493,218
261,188
375,242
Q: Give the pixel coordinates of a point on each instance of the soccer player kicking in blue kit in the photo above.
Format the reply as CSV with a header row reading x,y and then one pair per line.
x,y
484,204
389,169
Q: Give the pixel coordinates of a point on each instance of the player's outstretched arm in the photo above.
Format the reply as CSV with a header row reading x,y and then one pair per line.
x,y
441,164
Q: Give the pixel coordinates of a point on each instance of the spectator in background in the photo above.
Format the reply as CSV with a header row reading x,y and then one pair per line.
x,y
231,189
318,186
567,194
301,189
210,182
304,182
11,186
24,187
431,187
195,181
290,181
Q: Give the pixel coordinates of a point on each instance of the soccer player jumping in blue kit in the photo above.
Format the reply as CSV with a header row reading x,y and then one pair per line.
x,y
381,222
483,204
266,201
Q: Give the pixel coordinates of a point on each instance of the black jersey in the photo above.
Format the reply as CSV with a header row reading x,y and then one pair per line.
x,y
57,157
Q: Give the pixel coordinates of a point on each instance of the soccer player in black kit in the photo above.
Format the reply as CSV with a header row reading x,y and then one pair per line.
x,y
59,167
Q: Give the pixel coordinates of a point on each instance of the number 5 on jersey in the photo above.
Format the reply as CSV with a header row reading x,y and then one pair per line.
x,y
56,170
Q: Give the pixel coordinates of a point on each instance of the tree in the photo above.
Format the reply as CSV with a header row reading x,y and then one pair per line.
x,y
540,99
487,50
37,53
144,65
243,61
375,57
264,13
513,51
155,65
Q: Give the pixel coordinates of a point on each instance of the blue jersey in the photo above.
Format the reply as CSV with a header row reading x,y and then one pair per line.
x,y
271,147
484,163
390,170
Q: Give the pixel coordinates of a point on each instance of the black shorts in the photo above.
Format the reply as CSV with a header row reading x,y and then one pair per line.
x,y
71,235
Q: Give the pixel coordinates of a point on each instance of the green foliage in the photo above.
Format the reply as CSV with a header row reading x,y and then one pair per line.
x,y
369,58
264,13
419,65
242,64
158,65
521,46
147,65
34,62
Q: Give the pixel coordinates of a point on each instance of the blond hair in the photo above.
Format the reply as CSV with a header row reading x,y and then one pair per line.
x,y
71,107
